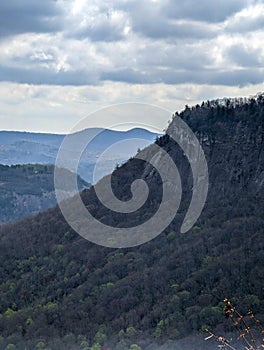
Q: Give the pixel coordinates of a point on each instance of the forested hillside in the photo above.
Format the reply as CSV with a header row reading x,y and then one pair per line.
x,y
26,190
59,291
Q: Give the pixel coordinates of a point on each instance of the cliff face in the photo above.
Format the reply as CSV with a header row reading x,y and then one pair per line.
x,y
232,138
231,134
169,287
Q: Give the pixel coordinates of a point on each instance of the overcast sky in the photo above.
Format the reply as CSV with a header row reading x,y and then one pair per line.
x,y
61,60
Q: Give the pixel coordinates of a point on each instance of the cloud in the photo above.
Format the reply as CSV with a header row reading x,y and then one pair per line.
x,y
129,76
139,61
181,19
107,26
194,56
18,17
150,20
237,77
43,76
250,19
244,56
160,28
81,43
203,10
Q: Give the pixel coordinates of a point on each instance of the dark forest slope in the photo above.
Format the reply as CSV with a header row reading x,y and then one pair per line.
x,y
56,285
27,190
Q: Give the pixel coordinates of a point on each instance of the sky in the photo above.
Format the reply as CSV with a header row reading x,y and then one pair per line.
x,y
64,59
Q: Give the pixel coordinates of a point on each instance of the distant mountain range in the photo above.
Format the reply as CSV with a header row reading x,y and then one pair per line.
x,y
41,148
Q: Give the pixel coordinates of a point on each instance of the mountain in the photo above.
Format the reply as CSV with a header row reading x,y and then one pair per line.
x,y
61,290
27,189
38,148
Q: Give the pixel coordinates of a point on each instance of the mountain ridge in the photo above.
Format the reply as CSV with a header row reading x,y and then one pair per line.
x,y
166,289
42,148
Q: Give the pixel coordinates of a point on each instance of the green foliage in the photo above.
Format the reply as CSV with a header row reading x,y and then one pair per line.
x,y
100,337
207,260
130,331
175,287
84,345
115,256
9,313
196,230
121,334
40,345
159,329
134,347
103,287
29,321
211,315
171,235
10,347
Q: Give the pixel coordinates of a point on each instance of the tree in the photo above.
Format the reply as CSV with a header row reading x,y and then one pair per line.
x,y
100,337
134,347
241,324
10,347
95,346
40,345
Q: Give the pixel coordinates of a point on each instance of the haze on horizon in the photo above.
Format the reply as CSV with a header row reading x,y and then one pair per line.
x,y
63,59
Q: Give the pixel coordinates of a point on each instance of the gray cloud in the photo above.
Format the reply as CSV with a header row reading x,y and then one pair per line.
x,y
164,28
101,32
173,57
239,77
180,19
103,28
246,24
18,16
129,75
41,76
150,20
164,67
170,42
154,20
203,10
245,57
